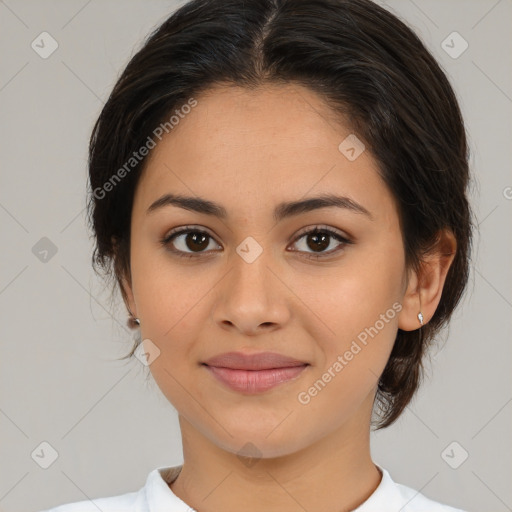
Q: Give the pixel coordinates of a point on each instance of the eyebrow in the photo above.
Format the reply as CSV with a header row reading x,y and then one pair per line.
x,y
283,210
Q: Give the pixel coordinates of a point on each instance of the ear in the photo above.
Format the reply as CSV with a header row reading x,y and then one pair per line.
x,y
123,276
127,293
425,287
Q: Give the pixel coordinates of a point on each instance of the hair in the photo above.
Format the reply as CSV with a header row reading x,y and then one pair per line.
x,y
367,65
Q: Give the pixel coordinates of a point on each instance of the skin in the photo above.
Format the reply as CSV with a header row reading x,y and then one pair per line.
x,y
249,151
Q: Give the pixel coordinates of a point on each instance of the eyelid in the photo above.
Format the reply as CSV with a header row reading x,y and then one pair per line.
x,y
185,229
343,240
322,228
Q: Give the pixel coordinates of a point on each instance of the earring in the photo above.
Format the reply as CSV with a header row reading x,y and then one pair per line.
x,y
420,318
133,319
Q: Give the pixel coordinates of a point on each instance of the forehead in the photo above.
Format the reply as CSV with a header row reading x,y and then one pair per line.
x,y
270,144
283,116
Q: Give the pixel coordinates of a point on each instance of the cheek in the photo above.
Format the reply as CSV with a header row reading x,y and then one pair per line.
x,y
170,303
170,309
168,296
351,361
360,305
358,294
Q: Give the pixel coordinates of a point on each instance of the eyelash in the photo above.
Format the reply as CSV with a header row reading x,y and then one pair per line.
x,y
190,229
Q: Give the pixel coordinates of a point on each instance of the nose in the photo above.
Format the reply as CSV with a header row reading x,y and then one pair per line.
x,y
251,298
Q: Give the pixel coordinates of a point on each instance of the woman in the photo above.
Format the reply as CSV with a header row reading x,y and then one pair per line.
x,y
279,188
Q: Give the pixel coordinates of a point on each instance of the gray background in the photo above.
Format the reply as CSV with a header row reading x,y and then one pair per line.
x,y
60,382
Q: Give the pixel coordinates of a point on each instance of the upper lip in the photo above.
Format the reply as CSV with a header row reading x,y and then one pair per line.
x,y
261,361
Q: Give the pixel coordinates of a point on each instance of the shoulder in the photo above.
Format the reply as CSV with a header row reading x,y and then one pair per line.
x,y
410,500
123,503
154,495
414,501
393,497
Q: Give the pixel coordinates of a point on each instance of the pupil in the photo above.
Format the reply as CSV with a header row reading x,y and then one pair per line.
x,y
321,241
200,239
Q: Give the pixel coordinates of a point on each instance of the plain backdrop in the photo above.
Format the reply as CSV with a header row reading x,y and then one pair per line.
x,y
61,384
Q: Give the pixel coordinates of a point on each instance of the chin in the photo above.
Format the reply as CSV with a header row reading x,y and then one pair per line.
x,y
257,441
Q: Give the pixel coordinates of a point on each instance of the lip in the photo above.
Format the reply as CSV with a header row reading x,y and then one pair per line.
x,y
254,373
260,361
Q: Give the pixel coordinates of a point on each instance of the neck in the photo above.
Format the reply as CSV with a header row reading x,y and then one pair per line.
x,y
334,474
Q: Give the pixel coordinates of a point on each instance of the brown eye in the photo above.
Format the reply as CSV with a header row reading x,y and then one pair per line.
x,y
186,242
318,240
196,241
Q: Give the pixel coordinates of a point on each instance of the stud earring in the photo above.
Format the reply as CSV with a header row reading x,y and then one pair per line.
x,y
133,320
420,318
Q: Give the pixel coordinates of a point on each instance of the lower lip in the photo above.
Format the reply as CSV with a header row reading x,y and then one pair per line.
x,y
255,381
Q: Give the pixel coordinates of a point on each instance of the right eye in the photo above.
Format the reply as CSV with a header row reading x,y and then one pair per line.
x,y
181,240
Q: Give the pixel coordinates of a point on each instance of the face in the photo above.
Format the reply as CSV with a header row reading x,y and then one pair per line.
x,y
258,280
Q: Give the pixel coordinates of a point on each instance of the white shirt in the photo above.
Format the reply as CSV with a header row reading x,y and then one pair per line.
x,y
157,496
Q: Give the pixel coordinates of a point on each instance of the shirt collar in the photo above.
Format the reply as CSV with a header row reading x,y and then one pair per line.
x,y
159,495
386,493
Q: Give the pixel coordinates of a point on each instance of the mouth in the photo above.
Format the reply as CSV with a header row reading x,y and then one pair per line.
x,y
254,373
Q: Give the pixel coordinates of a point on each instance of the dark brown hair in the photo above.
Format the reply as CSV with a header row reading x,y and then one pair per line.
x,y
369,67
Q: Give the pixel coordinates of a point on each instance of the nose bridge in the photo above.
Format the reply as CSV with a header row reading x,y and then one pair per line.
x,y
251,255
250,295
251,279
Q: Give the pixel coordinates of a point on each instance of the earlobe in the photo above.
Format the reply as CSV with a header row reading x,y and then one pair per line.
x,y
411,304
425,287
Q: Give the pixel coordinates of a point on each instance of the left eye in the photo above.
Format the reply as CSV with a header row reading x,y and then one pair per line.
x,y
321,238
197,241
